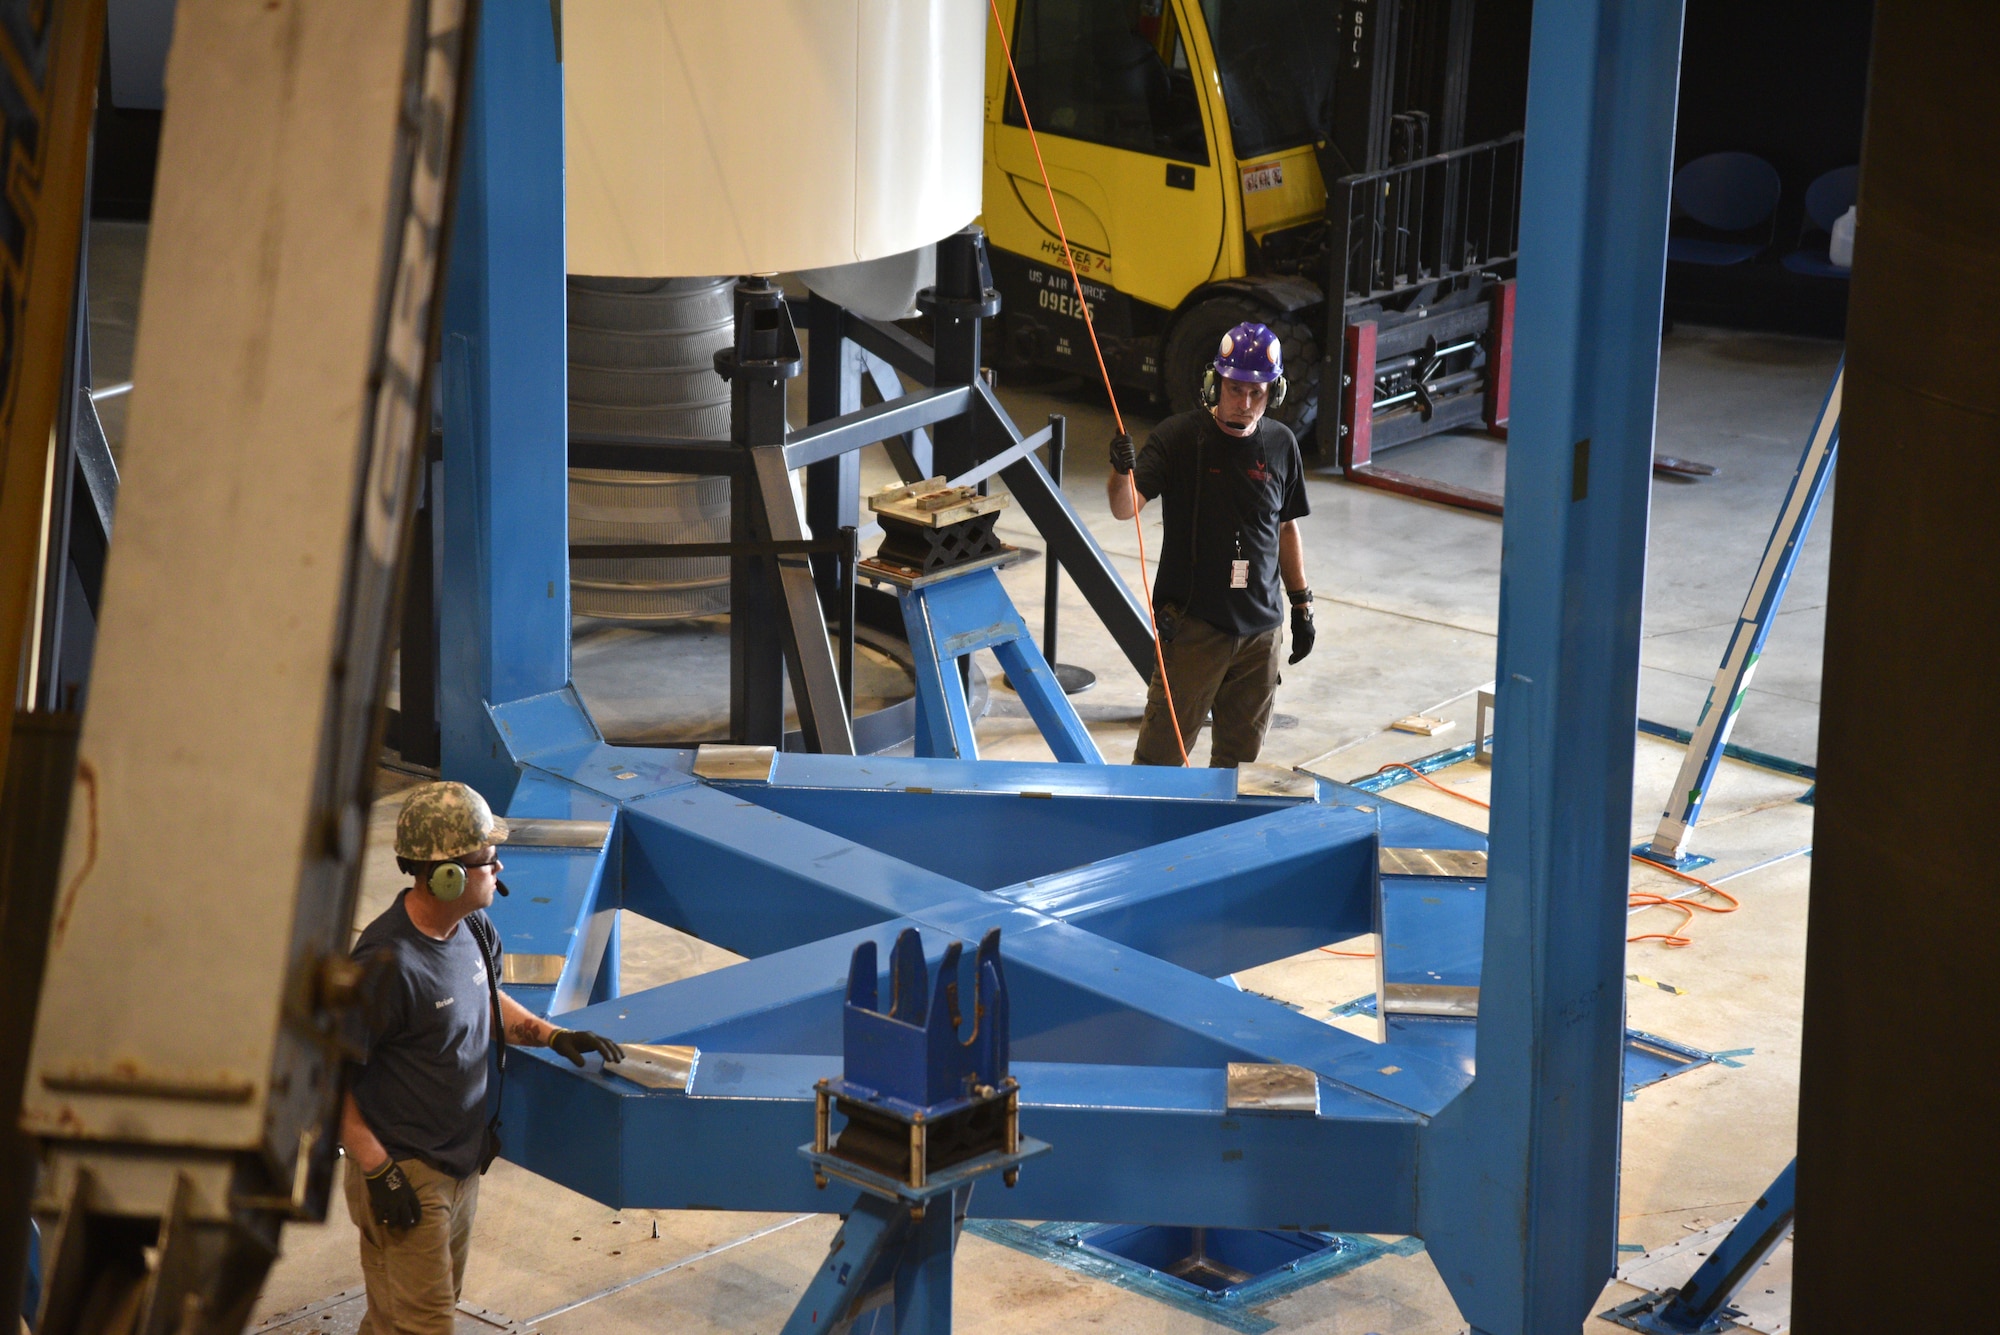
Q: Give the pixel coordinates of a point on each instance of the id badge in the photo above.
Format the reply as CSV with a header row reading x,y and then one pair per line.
x,y
1239,574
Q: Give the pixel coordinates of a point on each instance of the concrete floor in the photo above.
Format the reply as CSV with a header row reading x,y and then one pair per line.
x,y
1407,616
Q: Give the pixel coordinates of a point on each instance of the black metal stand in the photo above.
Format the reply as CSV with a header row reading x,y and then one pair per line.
x,y
772,595
413,726
833,387
962,300
1074,680
785,588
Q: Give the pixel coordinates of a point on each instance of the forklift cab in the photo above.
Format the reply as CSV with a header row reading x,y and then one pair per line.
x,y
1190,145
1131,107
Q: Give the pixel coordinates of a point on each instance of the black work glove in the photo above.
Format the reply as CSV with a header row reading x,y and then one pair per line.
x,y
1123,456
392,1198
1303,633
573,1043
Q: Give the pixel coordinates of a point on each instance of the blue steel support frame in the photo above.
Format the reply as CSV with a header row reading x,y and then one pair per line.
x,y
883,1256
1746,642
951,618
504,617
1525,1233
1121,891
1698,1305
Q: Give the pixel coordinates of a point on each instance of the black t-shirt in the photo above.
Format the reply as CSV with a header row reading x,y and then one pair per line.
x,y
428,1012
1244,489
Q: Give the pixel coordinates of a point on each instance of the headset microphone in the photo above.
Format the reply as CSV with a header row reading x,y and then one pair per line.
x,y
499,885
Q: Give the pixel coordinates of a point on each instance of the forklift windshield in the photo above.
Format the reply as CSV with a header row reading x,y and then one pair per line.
x,y
1277,60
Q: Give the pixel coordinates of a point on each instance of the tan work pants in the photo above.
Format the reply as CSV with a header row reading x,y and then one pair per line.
x,y
1235,675
414,1275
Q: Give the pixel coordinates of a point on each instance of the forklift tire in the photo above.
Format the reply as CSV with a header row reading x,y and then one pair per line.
x,y
1191,348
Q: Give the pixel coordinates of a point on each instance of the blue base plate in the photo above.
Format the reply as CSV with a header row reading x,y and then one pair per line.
x,y
1686,862
942,1181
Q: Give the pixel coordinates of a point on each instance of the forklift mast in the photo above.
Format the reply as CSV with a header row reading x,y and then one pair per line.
x,y
1423,160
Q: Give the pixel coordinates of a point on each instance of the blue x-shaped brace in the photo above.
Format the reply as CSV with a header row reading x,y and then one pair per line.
x,y
1123,895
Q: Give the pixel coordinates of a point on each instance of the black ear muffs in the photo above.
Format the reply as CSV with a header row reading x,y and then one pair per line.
x,y
447,881
1211,391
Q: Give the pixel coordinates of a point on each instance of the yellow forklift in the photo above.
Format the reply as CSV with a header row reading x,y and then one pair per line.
x,y
1191,144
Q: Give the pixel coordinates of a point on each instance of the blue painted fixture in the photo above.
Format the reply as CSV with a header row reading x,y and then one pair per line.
x,y
923,1109
1702,1305
1710,739
925,1114
957,613
1122,892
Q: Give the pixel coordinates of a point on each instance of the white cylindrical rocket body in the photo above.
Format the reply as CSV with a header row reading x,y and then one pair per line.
x,y
765,135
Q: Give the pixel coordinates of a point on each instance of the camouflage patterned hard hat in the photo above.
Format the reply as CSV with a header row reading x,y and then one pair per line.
x,y
441,821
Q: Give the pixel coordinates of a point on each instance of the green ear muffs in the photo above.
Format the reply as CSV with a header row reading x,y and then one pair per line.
x,y
447,881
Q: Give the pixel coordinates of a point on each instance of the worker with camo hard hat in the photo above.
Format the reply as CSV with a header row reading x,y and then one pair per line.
x,y
415,1123
1233,488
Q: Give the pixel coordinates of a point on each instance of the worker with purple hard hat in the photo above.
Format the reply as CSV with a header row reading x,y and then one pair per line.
x,y
1232,486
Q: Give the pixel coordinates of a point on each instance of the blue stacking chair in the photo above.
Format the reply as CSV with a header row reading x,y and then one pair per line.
x,y
1827,198
1734,194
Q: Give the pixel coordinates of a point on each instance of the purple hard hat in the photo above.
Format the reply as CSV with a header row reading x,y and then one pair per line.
x,y
1250,352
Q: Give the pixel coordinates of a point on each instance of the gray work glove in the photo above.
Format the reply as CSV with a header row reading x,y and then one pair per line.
x,y
1123,456
1303,633
574,1043
392,1198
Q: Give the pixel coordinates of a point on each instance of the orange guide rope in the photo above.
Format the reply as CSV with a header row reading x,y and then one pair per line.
x,y
1637,899
1069,259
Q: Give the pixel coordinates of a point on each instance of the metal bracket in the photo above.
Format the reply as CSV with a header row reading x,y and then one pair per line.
x,y
1272,1087
744,764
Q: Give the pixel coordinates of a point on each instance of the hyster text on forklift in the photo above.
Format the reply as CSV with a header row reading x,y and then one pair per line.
x,y
1191,144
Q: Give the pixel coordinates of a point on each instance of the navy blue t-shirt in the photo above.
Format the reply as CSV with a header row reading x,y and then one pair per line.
x,y
1224,499
428,1013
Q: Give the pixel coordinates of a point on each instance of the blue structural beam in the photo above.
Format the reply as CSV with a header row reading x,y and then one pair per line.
x,y
1093,994
568,912
563,902
869,1258
1230,898
945,775
1730,1266
505,610
1746,642
993,839
787,882
1520,1175
958,615
1113,1127
1431,931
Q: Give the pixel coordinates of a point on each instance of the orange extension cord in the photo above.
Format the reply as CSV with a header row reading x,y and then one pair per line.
x,y
1159,652
1637,899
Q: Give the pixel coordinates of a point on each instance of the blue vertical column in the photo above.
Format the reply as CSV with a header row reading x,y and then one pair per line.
x,y
1519,1189
505,613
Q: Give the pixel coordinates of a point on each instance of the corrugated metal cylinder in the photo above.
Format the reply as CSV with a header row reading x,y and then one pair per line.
x,y
641,362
